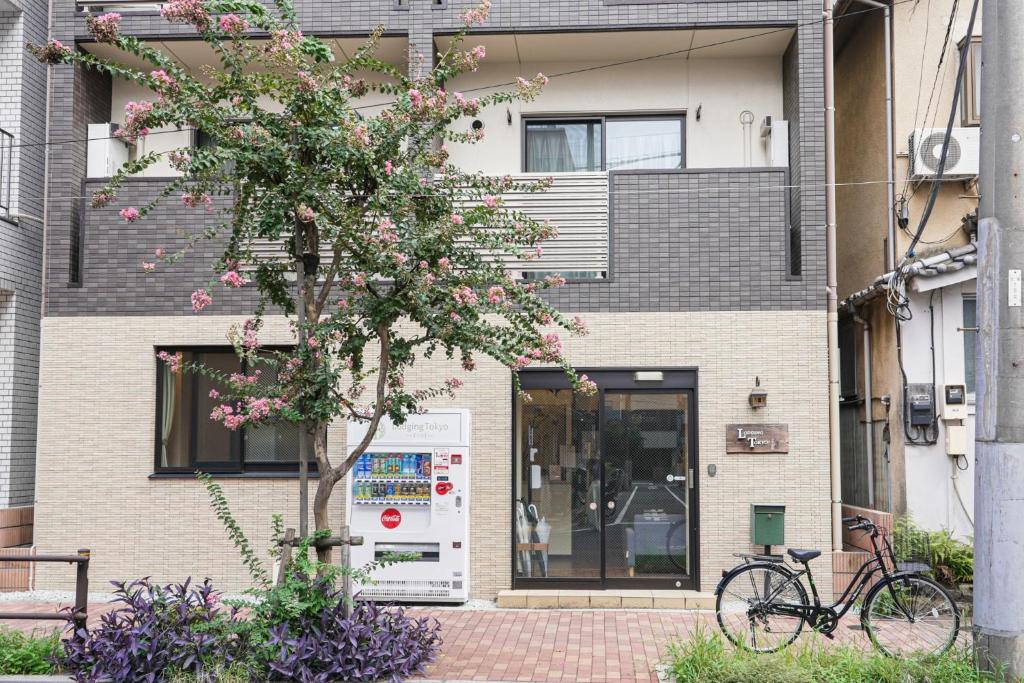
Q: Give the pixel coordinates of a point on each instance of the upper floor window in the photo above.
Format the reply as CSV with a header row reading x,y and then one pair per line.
x,y
603,143
188,440
970,98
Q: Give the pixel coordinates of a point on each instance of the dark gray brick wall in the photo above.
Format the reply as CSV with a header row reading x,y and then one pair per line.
x,y
698,271
696,240
23,113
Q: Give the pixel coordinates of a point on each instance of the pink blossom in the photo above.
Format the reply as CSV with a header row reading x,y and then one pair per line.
x,y
388,168
444,263
521,362
586,385
457,219
455,316
104,27
468,364
250,332
495,295
453,383
283,40
305,214
200,300
186,11
233,279
429,279
194,199
362,134
479,52
148,266
400,259
130,214
359,279
54,52
233,24
313,342
579,325
490,201
343,304
160,252
464,296
174,361
554,280
102,198
416,98
163,78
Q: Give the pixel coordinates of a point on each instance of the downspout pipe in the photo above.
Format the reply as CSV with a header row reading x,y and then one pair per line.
x,y
869,421
890,161
831,283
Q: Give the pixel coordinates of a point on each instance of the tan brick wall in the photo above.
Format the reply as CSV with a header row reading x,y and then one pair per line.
x,y
97,424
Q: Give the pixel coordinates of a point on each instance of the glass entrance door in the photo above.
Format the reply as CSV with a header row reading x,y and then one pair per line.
x,y
603,485
646,493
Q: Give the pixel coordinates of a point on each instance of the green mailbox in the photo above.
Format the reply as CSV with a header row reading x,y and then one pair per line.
x,y
767,524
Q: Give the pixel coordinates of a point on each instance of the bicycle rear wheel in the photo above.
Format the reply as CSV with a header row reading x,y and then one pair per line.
x,y
910,615
746,610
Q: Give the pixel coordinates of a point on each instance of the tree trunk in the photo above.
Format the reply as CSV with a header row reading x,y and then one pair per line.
x,y
324,488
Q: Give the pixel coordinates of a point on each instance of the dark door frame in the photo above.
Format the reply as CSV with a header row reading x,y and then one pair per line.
x,y
615,380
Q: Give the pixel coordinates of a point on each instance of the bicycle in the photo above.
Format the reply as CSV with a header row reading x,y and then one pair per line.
x,y
762,604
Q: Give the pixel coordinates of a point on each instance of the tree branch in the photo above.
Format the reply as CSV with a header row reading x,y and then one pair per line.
x,y
384,332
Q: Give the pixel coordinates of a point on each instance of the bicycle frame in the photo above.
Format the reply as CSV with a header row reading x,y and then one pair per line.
x,y
812,613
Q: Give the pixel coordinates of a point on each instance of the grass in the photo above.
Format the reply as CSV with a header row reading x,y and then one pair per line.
x,y
22,654
707,657
232,674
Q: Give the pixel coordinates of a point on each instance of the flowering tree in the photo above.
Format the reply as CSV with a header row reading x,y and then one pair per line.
x,y
398,254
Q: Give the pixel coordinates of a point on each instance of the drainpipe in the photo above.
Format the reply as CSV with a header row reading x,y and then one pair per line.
x,y
831,284
890,233
869,423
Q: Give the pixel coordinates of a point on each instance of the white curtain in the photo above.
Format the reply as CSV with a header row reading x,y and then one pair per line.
x,y
644,144
167,412
548,150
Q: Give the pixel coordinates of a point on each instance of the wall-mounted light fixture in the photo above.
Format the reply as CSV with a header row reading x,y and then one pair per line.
x,y
758,397
508,115
649,376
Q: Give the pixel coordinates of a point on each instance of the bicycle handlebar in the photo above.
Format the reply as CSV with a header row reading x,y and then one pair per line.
x,y
862,523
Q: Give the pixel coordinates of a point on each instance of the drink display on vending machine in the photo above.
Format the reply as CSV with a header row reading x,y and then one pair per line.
x,y
409,493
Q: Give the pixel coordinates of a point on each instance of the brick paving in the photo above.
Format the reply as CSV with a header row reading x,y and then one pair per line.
x,y
549,646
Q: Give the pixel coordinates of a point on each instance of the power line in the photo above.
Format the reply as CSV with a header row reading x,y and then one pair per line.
x,y
561,74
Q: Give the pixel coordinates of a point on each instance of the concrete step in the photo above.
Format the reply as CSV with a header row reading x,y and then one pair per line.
x,y
605,599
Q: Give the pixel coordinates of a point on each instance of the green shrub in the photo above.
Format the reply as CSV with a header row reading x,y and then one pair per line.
x,y
952,562
23,655
707,657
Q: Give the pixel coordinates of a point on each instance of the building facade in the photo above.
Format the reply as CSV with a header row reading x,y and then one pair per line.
x,y
23,92
686,143
908,341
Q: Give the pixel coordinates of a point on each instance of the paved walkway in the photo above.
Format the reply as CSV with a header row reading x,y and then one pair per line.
x,y
546,645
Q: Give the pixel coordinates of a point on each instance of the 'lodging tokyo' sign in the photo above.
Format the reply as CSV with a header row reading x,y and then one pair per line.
x,y
757,438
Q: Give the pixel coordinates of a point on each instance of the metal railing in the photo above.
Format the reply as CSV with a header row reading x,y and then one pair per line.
x,y
576,204
80,612
6,170
100,5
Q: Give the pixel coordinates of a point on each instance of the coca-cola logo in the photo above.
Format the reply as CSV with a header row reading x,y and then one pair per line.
x,y
390,518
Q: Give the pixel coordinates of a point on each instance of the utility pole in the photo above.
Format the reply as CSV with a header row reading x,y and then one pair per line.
x,y
999,450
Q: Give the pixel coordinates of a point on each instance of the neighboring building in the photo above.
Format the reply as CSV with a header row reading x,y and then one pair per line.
x,y
696,247
23,89
920,454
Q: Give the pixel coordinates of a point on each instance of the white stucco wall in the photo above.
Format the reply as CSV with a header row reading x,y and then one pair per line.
x,y
722,87
939,494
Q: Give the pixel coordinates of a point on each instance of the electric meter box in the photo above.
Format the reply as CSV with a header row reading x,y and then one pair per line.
x,y
767,524
954,404
922,405
409,493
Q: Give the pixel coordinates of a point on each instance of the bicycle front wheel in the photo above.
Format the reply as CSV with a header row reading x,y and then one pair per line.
x,y
747,608
910,615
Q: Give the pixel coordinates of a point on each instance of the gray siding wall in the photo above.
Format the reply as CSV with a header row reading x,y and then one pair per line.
x,y
22,113
692,248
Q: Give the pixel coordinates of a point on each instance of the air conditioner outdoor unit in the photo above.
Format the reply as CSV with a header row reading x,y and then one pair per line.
x,y
961,159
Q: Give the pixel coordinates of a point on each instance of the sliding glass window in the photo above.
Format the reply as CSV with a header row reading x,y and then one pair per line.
x,y
604,143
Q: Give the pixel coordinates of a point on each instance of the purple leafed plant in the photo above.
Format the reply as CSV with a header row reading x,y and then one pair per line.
x,y
179,627
374,643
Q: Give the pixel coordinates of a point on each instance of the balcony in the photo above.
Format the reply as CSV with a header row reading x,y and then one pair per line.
x,y
6,171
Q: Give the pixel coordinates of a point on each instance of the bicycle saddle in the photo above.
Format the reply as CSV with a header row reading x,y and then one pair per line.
x,y
803,555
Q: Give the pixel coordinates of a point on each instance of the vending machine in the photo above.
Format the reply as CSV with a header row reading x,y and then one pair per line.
x,y
409,493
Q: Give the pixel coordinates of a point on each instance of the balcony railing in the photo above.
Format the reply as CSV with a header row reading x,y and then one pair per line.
x,y
576,204
6,171
102,5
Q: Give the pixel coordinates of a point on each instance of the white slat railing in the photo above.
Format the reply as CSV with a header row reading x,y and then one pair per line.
x,y
576,204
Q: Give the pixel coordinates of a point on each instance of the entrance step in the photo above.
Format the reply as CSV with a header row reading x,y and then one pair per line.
x,y
613,599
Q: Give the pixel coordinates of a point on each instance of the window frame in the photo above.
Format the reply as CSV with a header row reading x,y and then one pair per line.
x,y
603,119
970,391
237,464
970,106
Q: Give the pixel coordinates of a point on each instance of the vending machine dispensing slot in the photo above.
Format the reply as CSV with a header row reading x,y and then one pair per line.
x,y
409,493
425,552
